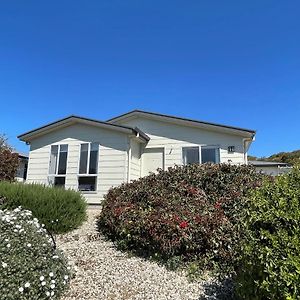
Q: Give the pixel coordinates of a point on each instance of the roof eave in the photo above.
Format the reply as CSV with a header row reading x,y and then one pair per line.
x,y
32,134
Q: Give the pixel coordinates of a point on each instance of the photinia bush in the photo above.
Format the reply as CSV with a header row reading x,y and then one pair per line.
x,y
30,266
187,213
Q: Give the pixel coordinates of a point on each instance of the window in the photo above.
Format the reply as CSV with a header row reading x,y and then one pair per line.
x,y
190,155
58,164
87,183
210,155
88,166
59,181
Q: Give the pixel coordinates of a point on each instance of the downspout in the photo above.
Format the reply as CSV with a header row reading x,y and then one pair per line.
x,y
129,160
246,142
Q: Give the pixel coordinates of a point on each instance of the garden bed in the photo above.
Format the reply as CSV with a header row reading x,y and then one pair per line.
x,y
105,273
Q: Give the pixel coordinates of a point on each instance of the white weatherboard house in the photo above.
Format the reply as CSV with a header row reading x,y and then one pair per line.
x,y
92,156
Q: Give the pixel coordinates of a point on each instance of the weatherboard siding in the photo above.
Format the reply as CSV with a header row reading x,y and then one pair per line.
x,y
173,137
112,159
135,165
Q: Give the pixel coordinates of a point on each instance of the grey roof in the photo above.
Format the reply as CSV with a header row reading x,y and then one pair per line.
x,y
183,119
262,163
136,131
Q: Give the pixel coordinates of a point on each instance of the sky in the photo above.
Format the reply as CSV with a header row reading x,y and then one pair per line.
x,y
229,62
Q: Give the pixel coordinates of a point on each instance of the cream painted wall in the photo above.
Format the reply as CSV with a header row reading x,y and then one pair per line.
x,y
135,164
116,148
112,164
173,137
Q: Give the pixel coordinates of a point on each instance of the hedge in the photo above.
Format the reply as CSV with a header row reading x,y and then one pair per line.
x,y
270,262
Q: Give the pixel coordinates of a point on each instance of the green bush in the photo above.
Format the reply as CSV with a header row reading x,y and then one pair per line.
x,y
30,267
270,266
60,210
187,214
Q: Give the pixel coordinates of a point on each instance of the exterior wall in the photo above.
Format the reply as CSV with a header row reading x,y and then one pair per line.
x,y
173,137
112,164
135,164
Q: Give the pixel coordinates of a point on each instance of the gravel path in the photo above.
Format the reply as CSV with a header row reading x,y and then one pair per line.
x,y
105,273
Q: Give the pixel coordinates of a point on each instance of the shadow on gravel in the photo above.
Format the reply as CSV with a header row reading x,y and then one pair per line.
x,y
217,290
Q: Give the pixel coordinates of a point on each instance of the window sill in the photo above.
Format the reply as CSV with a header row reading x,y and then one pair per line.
x,y
88,192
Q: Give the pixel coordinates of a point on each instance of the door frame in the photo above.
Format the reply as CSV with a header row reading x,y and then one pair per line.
x,y
153,147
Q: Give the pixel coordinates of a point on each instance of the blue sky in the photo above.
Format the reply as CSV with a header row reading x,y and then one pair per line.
x,y
231,62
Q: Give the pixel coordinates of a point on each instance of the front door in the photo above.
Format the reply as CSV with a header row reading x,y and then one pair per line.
x,y
152,159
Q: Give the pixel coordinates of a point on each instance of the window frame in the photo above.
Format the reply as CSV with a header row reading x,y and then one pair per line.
x,y
52,176
87,174
200,147
190,146
217,152
57,162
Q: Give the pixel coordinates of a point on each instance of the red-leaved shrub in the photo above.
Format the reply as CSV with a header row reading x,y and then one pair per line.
x,y
9,162
188,212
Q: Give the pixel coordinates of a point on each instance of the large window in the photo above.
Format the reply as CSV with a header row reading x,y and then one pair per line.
x,y
88,167
58,164
210,155
190,155
205,154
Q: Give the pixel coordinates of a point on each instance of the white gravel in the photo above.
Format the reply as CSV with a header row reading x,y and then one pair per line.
x,y
105,273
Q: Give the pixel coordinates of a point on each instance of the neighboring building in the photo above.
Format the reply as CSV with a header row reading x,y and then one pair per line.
x,y
92,156
270,167
23,165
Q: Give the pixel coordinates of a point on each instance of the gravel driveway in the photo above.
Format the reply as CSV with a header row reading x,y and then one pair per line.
x,y
105,273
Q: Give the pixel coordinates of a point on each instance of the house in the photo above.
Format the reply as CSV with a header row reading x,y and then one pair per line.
x,y
22,168
91,155
270,167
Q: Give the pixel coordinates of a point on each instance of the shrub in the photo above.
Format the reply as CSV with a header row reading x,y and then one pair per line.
x,y
270,266
186,214
9,161
30,266
60,210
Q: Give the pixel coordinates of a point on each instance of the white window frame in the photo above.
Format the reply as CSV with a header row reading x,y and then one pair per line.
x,y
217,147
190,146
57,162
87,174
217,152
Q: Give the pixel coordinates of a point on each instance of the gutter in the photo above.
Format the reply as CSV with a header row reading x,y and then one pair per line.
x,y
246,143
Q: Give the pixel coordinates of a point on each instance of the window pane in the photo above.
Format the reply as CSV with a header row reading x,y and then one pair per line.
x,y
87,183
59,181
53,159
190,155
62,163
209,155
94,159
83,158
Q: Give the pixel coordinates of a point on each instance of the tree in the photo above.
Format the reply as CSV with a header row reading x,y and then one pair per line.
x,y
9,161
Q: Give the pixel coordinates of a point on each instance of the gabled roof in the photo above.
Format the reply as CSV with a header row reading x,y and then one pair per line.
x,y
180,120
27,136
